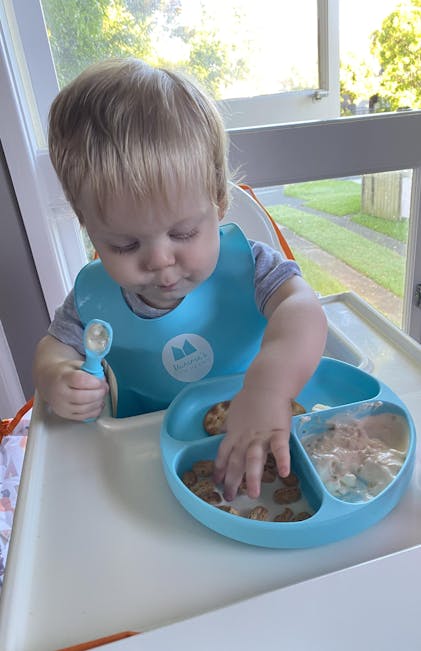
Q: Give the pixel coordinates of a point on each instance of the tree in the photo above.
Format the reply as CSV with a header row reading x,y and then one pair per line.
x,y
209,62
85,31
359,80
397,46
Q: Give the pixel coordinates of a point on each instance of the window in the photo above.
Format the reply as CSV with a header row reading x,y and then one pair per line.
x,y
337,149
380,51
270,62
229,46
267,147
349,234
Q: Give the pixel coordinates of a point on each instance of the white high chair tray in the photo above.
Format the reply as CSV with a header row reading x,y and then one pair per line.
x,y
100,544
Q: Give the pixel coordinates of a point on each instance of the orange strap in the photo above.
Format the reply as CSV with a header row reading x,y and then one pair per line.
x,y
93,644
8,425
281,239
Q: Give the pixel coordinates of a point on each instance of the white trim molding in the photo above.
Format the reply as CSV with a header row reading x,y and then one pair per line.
x,y
11,394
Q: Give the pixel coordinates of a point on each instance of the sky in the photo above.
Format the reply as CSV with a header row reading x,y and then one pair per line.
x,y
358,19
282,35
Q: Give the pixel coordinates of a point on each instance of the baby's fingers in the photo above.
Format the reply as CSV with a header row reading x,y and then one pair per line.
x,y
78,379
78,408
221,461
255,461
86,411
234,474
279,446
229,468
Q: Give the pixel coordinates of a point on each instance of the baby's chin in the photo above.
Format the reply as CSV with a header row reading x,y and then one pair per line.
x,y
162,304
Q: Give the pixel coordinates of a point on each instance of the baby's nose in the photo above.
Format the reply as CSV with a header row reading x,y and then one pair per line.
x,y
158,257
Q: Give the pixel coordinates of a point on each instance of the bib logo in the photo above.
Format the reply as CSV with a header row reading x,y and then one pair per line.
x,y
187,357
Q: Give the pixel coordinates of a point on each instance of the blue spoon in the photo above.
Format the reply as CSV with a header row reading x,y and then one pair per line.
x,y
97,340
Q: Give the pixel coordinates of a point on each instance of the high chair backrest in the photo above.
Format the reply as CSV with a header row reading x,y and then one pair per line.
x,y
246,211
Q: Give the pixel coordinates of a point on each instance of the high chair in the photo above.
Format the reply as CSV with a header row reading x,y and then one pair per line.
x,y
101,549
246,211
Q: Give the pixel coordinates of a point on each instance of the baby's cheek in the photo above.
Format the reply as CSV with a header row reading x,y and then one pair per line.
x,y
205,262
118,270
204,270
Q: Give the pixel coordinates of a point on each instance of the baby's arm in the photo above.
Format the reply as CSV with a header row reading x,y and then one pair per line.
x,y
259,415
70,392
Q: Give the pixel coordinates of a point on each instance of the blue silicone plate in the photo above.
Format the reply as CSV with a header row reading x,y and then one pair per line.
x,y
350,393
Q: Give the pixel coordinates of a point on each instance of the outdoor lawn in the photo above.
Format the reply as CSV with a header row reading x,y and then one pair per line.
x,y
343,198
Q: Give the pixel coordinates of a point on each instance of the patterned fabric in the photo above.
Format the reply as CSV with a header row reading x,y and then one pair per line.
x,y
12,452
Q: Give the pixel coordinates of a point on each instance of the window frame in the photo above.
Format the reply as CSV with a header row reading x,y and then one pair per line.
x,y
312,104
295,153
265,155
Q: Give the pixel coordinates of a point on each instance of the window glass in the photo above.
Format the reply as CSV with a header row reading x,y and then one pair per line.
x,y
243,48
349,234
380,54
234,48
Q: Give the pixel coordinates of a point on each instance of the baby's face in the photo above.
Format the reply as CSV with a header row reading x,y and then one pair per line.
x,y
161,252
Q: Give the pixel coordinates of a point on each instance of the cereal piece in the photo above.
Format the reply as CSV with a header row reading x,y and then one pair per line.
x,y
270,461
290,480
189,478
287,494
259,513
215,418
212,498
229,509
285,516
269,475
319,407
205,486
203,468
303,515
242,489
297,409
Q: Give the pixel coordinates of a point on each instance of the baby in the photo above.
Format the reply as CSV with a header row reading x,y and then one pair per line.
x,y
141,154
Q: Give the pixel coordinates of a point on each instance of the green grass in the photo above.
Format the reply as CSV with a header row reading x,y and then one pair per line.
x,y
383,266
317,277
334,197
340,198
396,228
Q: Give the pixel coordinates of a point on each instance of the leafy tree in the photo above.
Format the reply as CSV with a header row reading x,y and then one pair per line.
x,y
84,31
209,62
397,46
359,79
212,60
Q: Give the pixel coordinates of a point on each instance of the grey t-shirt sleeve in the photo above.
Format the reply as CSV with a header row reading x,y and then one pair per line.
x,y
66,325
272,269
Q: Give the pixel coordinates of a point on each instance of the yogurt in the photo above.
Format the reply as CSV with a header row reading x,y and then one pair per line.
x,y
97,338
357,459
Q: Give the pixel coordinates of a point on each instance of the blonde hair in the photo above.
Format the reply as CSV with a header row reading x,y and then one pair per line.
x,y
123,125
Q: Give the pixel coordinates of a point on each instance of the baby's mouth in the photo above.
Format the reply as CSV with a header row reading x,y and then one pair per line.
x,y
168,287
167,290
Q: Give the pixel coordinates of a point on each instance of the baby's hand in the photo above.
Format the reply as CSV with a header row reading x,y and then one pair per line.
x,y
75,394
258,422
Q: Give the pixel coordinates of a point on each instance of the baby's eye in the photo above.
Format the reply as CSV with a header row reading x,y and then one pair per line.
x,y
184,236
128,248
